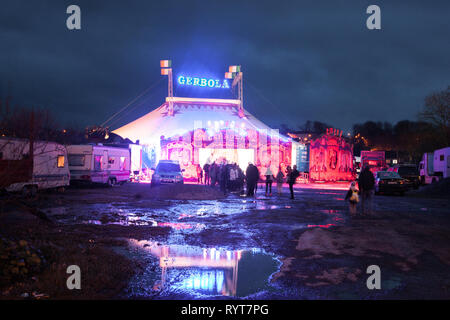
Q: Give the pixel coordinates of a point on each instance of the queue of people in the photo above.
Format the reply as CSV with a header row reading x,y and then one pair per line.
x,y
230,178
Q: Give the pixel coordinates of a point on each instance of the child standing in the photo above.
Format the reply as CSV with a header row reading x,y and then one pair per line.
x,y
353,198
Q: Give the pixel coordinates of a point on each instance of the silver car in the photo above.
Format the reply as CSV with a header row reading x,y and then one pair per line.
x,y
167,172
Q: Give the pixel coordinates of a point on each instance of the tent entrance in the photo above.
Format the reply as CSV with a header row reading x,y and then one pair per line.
x,y
240,156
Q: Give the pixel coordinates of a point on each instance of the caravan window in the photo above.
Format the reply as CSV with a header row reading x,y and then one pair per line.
x,y
76,160
60,162
98,163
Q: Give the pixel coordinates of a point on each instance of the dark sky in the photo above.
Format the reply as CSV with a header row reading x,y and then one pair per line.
x,y
301,59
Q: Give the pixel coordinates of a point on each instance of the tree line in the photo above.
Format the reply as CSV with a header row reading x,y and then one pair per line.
x,y
430,131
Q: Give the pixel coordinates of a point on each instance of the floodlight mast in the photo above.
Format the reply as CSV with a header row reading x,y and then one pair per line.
x,y
234,72
239,80
167,71
170,92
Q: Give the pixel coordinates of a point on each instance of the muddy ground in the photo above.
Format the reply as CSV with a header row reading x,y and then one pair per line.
x,y
181,242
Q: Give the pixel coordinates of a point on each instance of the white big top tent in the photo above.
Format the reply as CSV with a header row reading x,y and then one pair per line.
x,y
190,114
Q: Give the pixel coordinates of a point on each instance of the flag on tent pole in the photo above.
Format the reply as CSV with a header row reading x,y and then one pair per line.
x,y
229,75
165,63
165,72
234,69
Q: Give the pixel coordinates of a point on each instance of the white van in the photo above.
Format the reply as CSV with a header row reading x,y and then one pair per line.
x,y
48,168
99,164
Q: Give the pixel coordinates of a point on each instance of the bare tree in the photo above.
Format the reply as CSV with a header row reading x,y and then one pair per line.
x,y
437,112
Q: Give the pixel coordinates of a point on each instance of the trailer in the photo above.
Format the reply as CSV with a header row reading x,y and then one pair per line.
x,y
46,167
435,166
375,159
99,164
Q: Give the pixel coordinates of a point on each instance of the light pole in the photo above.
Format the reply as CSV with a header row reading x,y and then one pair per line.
x,y
166,70
234,72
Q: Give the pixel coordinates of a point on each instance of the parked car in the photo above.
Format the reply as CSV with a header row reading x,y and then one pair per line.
x,y
166,172
390,182
408,172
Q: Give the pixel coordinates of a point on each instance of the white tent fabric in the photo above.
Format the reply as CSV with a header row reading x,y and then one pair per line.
x,y
189,114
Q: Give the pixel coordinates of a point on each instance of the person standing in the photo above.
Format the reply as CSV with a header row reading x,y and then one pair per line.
x,y
199,174
279,178
206,170
256,177
269,180
251,180
366,184
223,177
241,179
233,177
213,174
293,175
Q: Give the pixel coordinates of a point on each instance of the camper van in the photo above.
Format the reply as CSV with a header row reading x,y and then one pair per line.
x,y
98,164
435,166
48,167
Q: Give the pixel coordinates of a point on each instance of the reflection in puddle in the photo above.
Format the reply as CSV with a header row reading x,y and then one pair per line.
x,y
181,226
117,213
190,270
336,218
328,225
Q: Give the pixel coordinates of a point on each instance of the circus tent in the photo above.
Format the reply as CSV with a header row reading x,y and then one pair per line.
x,y
196,130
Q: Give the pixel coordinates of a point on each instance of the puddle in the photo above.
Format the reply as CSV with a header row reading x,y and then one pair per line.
x,y
326,226
152,215
335,218
191,271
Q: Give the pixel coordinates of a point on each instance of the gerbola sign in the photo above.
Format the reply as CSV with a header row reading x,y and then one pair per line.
x,y
203,82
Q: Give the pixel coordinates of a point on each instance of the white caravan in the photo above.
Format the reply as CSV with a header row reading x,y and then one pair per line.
x,y
435,166
99,164
48,168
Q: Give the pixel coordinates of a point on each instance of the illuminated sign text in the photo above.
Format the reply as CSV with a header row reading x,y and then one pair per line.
x,y
203,82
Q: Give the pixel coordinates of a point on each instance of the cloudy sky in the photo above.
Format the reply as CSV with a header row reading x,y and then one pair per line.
x,y
302,60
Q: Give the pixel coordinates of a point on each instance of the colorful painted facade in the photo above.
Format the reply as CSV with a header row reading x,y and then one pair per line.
x,y
331,159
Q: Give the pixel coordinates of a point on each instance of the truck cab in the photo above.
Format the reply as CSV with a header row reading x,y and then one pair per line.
x,y
435,166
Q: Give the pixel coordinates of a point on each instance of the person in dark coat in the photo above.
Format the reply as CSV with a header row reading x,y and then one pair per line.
x,y
366,185
212,171
292,176
206,170
256,176
251,175
223,177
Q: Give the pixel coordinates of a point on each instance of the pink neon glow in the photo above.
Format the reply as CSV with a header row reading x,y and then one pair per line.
x,y
331,159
